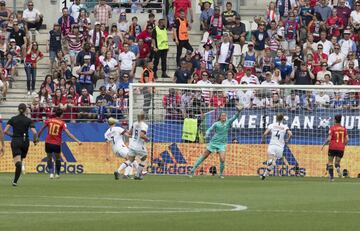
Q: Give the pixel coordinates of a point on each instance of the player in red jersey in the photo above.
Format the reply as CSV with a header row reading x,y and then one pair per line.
x,y
54,140
338,138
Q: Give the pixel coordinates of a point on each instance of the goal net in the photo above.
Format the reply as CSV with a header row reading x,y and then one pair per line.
x,y
178,116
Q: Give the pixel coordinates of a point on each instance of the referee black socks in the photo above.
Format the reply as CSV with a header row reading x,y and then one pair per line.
x,y
18,166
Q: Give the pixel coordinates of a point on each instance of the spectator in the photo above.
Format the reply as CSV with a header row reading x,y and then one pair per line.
x,y
125,84
111,86
336,65
303,76
102,12
160,45
291,33
292,101
96,37
249,78
347,44
127,60
182,74
146,36
148,73
58,98
65,71
86,103
32,17
271,13
228,16
122,23
54,45
335,24
66,22
70,110
36,110
205,16
353,102
355,17
324,42
322,100
238,30
33,55
250,59
306,13
102,101
184,5
323,9
309,46
144,53
216,25
307,101
343,11
3,82
48,84
73,92
284,67
276,102
321,74
231,94
181,35
134,28
260,38
171,103
351,58
86,51
20,38
244,96
315,26
86,75
225,52
84,23
75,9
5,14
109,66
133,47
282,8
218,100
75,40
350,70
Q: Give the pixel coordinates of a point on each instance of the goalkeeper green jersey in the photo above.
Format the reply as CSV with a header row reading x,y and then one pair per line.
x,y
221,130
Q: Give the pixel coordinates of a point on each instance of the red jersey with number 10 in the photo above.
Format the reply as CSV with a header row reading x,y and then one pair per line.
x,y
55,128
338,134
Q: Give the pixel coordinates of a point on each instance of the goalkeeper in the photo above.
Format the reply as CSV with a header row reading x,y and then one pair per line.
x,y
219,140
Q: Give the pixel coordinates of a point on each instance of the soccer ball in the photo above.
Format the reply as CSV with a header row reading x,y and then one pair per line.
x,y
324,123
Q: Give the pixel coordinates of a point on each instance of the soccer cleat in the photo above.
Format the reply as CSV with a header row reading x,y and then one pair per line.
x,y
14,184
57,176
221,177
138,177
51,176
262,177
116,175
125,177
331,179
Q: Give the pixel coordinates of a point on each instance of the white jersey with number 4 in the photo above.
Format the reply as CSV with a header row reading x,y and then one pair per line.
x,y
278,132
136,142
115,136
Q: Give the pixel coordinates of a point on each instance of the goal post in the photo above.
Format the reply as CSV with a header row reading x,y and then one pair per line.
x,y
178,116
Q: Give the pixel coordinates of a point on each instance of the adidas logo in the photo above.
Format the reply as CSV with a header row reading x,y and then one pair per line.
x,y
170,161
66,158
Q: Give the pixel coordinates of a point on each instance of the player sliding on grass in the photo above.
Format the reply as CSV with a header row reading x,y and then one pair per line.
x,y
53,141
114,135
219,140
277,142
137,145
338,138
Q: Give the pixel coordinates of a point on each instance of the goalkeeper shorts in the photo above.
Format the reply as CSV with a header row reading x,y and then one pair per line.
x,y
216,147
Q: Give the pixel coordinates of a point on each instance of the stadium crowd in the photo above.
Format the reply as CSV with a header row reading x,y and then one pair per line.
x,y
296,43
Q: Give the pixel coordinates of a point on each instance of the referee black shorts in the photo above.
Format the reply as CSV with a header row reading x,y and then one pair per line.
x,y
336,153
20,147
52,148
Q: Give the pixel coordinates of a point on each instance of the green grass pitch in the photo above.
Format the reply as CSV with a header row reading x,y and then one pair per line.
x,y
98,202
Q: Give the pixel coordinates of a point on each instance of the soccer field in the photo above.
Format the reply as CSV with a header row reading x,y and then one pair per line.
x,y
98,202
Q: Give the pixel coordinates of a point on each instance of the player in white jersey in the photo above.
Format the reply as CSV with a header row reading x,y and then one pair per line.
x,y
115,136
137,145
278,140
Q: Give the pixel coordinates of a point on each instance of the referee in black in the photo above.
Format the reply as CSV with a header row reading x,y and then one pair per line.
x,y
20,138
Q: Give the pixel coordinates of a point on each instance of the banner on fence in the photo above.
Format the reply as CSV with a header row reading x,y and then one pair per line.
x,y
173,158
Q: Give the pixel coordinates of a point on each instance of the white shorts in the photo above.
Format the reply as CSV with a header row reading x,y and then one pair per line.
x,y
141,152
121,151
276,151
